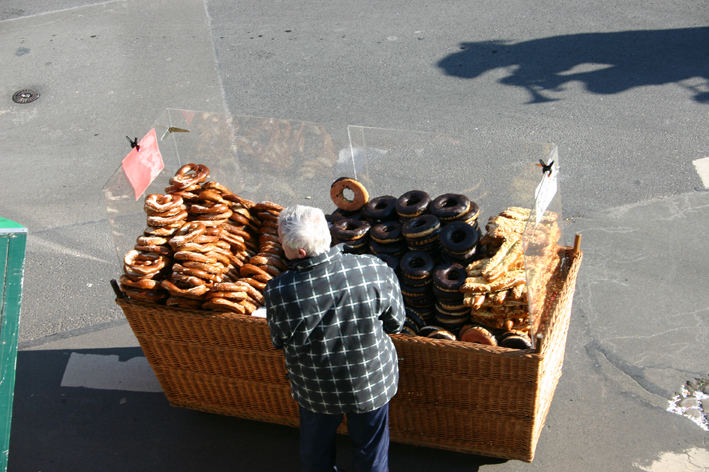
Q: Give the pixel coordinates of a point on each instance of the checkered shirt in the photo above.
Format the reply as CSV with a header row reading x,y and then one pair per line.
x,y
330,314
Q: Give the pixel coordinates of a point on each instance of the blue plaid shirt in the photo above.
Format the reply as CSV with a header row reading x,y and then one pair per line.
x,y
330,314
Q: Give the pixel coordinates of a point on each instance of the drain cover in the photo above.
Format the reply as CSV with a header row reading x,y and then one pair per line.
x,y
25,96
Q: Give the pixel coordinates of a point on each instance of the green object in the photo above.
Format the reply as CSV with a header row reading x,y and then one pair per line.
x,y
13,239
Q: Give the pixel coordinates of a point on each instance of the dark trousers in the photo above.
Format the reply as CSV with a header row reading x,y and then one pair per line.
x,y
369,433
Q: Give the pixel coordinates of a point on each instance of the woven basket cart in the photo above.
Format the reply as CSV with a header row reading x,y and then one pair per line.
x,y
457,396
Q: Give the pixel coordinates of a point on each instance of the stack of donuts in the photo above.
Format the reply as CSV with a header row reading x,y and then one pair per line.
x,y
205,247
427,241
496,288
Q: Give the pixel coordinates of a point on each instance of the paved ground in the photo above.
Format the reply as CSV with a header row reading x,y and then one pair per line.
x,y
622,90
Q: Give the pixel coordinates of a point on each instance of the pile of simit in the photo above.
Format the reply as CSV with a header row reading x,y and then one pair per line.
x,y
204,247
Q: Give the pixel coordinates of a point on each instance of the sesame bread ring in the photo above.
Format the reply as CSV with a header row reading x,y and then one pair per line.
x,y
158,203
204,275
269,260
190,174
206,258
249,307
230,295
168,230
271,207
210,195
238,218
253,271
150,240
153,296
187,233
337,189
210,268
182,302
144,263
222,305
167,213
144,283
160,250
184,280
209,209
167,220
257,284
192,292
223,257
412,203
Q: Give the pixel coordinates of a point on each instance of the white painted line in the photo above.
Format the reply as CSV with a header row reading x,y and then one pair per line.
x,y
106,372
702,166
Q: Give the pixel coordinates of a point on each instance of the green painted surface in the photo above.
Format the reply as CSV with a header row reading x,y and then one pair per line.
x,y
13,240
9,226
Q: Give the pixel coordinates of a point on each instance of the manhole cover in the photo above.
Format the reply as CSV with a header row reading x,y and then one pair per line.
x,y
25,96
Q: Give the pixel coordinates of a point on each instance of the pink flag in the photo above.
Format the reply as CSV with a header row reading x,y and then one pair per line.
x,y
143,166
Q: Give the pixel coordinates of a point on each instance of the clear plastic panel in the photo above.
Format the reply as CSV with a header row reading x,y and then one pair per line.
x,y
284,161
290,161
495,171
541,237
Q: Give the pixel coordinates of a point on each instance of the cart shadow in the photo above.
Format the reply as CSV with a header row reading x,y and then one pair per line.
x,y
606,63
87,429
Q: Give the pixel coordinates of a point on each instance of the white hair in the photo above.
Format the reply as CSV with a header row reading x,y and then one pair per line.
x,y
304,227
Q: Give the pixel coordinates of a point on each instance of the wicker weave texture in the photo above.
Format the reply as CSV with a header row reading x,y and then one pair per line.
x,y
456,396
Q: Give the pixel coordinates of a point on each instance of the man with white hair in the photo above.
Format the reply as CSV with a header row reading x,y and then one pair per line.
x,y
330,313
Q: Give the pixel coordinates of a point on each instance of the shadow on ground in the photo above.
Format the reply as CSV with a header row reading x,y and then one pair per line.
x,y
606,63
83,429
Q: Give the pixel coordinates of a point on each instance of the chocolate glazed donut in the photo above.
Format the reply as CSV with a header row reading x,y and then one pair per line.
x,y
380,208
412,203
458,237
449,277
386,232
450,206
416,265
349,229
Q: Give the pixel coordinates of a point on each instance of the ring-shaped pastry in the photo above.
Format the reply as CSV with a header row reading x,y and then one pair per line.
x,y
190,174
348,229
449,277
337,189
479,335
459,237
416,265
420,226
386,232
167,220
380,208
412,203
187,233
158,203
450,206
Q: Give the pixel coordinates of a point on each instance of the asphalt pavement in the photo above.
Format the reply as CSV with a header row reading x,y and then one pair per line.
x,y
622,90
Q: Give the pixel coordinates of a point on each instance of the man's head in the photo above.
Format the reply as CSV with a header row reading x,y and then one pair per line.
x,y
303,231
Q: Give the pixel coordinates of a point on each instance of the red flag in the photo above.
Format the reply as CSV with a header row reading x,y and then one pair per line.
x,y
143,166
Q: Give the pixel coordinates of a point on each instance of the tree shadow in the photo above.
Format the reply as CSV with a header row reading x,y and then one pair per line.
x,y
607,63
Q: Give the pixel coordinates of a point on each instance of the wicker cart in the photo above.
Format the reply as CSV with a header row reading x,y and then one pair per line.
x,y
458,396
